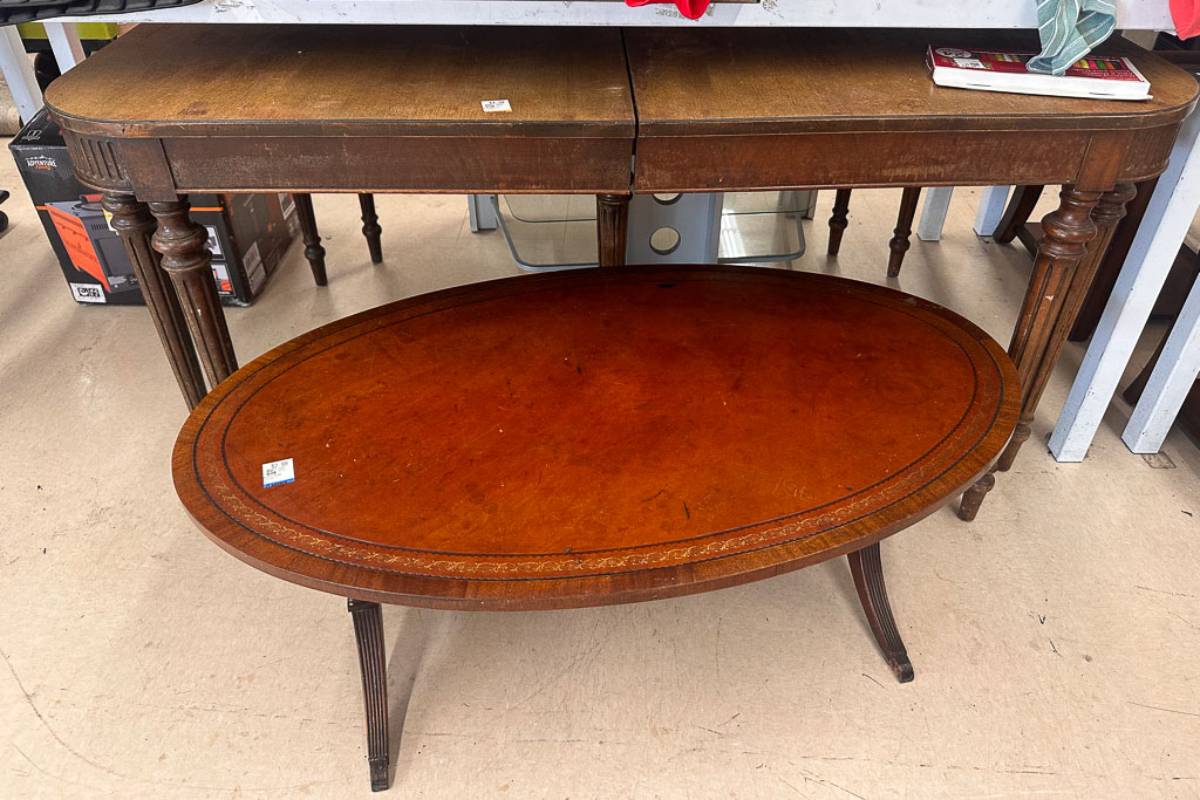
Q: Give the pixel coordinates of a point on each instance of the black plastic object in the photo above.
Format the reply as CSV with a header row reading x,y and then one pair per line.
x,y
3,216
14,11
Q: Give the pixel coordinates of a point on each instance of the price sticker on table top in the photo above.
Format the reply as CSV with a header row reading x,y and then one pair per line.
x,y
278,472
492,106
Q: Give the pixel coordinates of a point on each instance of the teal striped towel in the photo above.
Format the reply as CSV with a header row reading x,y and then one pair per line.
x,y
1069,29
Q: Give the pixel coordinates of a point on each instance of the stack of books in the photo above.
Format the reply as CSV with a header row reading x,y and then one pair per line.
x,y
1098,77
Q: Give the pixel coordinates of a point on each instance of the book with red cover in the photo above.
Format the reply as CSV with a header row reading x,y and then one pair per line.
x,y
1097,77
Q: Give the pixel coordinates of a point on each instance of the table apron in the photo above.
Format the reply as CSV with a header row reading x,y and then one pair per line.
x,y
160,169
958,158
418,164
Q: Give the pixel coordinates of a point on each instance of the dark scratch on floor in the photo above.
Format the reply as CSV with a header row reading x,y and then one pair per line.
x,y
1164,708
46,724
827,782
1184,620
872,680
1164,591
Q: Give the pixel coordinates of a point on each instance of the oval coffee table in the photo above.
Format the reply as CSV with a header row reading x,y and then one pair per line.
x,y
594,437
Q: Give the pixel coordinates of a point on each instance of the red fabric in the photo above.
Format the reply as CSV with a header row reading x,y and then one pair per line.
x,y
1186,15
694,9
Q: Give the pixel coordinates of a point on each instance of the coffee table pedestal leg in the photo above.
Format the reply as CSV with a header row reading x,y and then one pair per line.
x,y
368,633
867,570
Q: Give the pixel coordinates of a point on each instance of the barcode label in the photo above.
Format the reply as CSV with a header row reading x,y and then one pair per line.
x,y
492,106
88,292
278,472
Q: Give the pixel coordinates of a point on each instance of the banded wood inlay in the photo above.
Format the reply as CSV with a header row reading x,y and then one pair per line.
x,y
677,427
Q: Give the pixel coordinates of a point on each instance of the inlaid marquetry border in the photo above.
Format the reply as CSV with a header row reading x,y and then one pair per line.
x,y
245,511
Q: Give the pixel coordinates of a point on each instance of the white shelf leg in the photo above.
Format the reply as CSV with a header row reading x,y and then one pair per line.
x,y
64,41
991,208
1169,383
1168,216
933,213
18,73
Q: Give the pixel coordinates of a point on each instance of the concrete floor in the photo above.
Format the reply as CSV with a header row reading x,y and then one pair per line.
x,y
1055,639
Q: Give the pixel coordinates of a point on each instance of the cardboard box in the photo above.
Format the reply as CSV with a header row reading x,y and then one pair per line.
x,y
247,234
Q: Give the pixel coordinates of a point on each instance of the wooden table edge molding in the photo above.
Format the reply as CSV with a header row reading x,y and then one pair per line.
x,y
350,128
650,128
492,594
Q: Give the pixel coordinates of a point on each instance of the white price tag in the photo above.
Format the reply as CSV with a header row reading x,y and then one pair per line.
x,y
968,63
278,472
492,106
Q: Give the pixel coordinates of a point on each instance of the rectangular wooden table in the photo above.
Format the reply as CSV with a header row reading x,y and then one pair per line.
x,y
168,110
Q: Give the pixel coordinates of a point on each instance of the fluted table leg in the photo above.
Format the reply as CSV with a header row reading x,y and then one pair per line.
x,y
867,569
185,257
134,224
612,225
1063,270
368,633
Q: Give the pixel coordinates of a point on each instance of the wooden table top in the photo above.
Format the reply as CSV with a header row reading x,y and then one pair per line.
x,y
206,80
773,81
595,437
341,80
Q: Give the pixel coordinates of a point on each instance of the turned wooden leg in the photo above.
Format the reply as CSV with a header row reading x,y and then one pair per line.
x,y
899,244
368,633
612,225
185,257
134,224
1017,213
370,228
838,221
972,498
867,570
1061,273
1105,215
313,252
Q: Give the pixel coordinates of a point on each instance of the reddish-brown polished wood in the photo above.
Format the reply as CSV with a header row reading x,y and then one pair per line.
x,y
596,437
